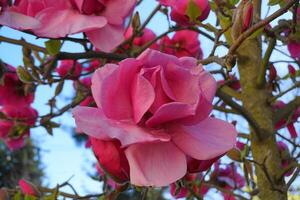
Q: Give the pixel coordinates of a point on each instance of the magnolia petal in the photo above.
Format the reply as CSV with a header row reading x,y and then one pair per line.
x,y
142,97
99,37
18,21
97,79
59,23
169,112
93,122
115,13
208,85
116,90
153,58
206,140
155,164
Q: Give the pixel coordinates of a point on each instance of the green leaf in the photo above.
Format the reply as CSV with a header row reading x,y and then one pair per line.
x,y
53,46
24,75
274,2
59,87
233,2
17,196
29,197
213,5
193,11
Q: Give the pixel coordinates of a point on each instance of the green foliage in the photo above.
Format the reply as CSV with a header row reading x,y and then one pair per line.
x,y
233,2
276,2
24,75
17,196
53,46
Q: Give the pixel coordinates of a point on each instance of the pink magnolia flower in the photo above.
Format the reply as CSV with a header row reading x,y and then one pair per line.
x,y
288,123
184,192
12,90
285,156
228,178
69,68
101,20
146,36
294,48
183,43
15,127
180,10
157,107
28,188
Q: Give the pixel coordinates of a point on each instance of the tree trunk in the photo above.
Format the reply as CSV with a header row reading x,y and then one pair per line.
x,y
263,144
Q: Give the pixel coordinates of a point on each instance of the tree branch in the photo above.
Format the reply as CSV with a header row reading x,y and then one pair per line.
x,y
287,110
227,99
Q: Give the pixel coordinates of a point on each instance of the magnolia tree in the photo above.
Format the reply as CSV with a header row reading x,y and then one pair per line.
x,y
159,116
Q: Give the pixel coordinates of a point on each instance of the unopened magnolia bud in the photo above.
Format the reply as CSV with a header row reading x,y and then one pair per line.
x,y
292,70
273,73
247,15
136,21
242,18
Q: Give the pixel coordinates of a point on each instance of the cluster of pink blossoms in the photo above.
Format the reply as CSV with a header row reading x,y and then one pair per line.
x,y
98,19
146,127
17,114
183,43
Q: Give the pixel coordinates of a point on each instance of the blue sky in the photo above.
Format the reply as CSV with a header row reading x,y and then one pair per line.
x,y
61,156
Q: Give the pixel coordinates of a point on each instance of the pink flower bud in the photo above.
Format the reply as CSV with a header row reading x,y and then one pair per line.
x,y
273,73
247,15
28,188
292,70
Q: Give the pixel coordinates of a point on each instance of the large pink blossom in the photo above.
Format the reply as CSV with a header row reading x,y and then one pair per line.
x,y
180,10
101,20
183,43
157,106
